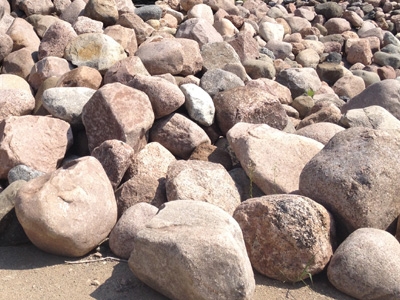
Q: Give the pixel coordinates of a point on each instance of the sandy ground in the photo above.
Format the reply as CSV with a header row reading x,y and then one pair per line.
x,y
28,273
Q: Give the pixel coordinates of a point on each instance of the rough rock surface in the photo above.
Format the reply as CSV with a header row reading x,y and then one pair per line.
x,y
69,211
193,250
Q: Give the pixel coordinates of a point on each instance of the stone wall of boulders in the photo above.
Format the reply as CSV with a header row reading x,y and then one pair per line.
x,y
205,139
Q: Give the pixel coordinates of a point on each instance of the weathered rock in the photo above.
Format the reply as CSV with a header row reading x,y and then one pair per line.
x,y
19,62
115,157
125,70
245,45
198,30
105,11
14,82
147,178
366,265
23,35
69,211
387,59
257,68
271,31
321,132
142,29
7,200
149,12
217,55
95,50
45,7
201,235
116,111
5,46
374,116
125,36
15,102
175,56
131,222
35,141
337,25
248,104
272,87
329,10
349,86
330,72
218,80
273,171
81,77
66,103
41,23
322,111
87,25
368,77
211,153
165,97
178,134
308,58
356,186
303,104
73,11
22,172
286,234
299,80
358,51
202,181
246,187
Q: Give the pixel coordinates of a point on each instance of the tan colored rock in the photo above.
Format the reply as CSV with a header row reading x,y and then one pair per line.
x,y
142,29
286,234
115,157
125,70
5,46
272,87
122,237
321,132
105,11
86,25
337,25
125,36
147,178
188,4
211,153
198,30
260,150
69,211
349,86
225,28
73,11
358,51
15,102
23,35
81,77
202,181
19,62
117,111
41,23
39,142
201,235
218,55
245,46
11,81
323,111
30,7
178,134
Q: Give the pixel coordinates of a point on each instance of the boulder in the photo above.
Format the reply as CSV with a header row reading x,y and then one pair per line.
x,y
81,77
321,132
193,250
299,80
23,172
15,102
374,116
125,70
198,30
218,80
211,153
272,87
69,211
19,62
202,181
105,11
246,187
367,265
23,35
217,55
125,36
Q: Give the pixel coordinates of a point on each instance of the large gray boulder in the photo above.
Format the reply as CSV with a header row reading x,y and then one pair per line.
x,y
353,178
192,250
367,265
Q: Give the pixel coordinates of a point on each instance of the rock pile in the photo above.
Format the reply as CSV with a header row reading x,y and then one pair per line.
x,y
206,138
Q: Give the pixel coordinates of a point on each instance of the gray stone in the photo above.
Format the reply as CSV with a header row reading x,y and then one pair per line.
x,y
387,59
374,116
218,80
149,12
23,172
299,80
321,132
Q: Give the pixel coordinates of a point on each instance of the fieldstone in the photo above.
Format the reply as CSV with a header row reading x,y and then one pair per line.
x,y
131,222
15,102
271,31
35,141
201,235
354,19
218,80
102,10
358,51
272,87
186,5
81,77
226,28
321,132
149,12
385,93
257,68
165,97
56,38
303,105
13,82
147,181
5,46
87,25
41,23
45,7
284,234
248,104
386,72
308,58
368,77
322,111
47,67
217,55
116,111
337,25
125,70
66,103
198,103
309,15
277,167
198,30
23,172
142,29
349,86
280,49
299,80
389,38
245,46
226,5
330,72
329,10
95,50
175,56
178,134
211,153
297,24
69,211
23,35
387,59
246,187
374,116
202,181
366,265
7,200
19,62
352,187
201,11
39,110
115,157
73,11
125,6
124,36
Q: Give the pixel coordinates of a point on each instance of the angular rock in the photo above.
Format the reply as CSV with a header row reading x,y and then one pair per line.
x,y
299,80
322,111
199,104
248,104
124,36
86,25
131,222
125,70
35,141
23,172
217,55
132,20
286,234
374,116
245,46
276,167
321,132
69,211
218,80
105,11
184,272
247,188
355,186
73,11
165,97
272,87
116,111
15,102
95,50
45,7
366,265
147,179
115,157
202,181
359,51
198,30
66,103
